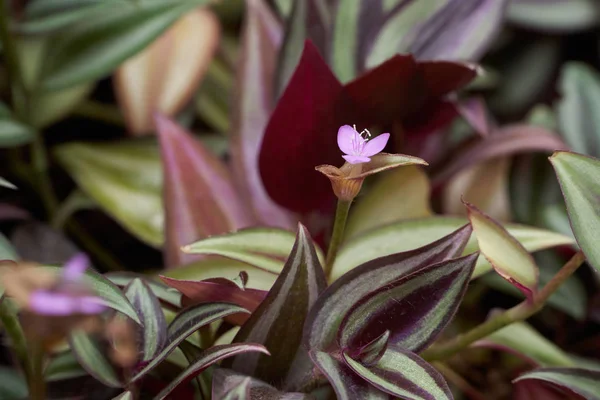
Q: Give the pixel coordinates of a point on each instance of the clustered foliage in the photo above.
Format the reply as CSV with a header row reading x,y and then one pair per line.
x,y
368,211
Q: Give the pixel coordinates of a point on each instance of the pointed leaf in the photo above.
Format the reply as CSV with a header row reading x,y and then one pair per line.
x,y
6,184
427,300
583,382
227,382
240,391
403,374
110,173
165,75
310,101
411,234
265,248
200,199
347,384
507,255
209,291
578,178
397,195
282,315
185,323
208,358
461,30
253,104
154,325
160,290
579,124
558,16
372,352
520,338
91,358
90,49
124,396
327,315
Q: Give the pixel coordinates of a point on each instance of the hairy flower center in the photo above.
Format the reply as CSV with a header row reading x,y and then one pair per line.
x,y
358,141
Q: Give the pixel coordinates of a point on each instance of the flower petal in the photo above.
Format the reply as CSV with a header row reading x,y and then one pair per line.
x,y
356,159
75,267
60,304
346,135
375,145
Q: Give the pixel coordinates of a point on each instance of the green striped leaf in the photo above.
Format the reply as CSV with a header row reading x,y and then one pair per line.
x,y
265,248
584,382
154,325
328,313
578,178
160,290
372,352
281,315
227,384
206,359
347,384
403,374
185,323
63,366
241,391
345,39
91,358
427,300
411,234
12,384
505,253
520,338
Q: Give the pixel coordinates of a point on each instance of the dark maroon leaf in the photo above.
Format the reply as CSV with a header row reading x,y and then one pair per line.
x,y
10,211
221,290
253,104
301,134
536,390
206,359
403,374
200,198
414,308
326,317
282,315
347,384
579,381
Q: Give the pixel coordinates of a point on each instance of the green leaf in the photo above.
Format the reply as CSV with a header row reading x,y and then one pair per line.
x,y
43,18
397,195
7,252
506,254
208,358
555,16
91,358
124,396
109,292
93,48
12,384
62,367
125,179
579,122
160,290
345,39
403,374
185,323
526,342
14,332
281,315
578,178
411,234
6,184
224,268
154,326
265,248
13,133
584,382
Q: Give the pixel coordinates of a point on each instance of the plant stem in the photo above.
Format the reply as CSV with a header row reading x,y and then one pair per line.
x,y
13,65
37,384
39,159
339,226
518,313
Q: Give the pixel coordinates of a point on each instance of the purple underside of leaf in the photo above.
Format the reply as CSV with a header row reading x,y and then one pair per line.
x,y
324,321
253,104
207,291
415,308
206,359
281,316
582,382
154,326
461,30
506,141
474,111
185,323
536,390
347,384
403,374
200,198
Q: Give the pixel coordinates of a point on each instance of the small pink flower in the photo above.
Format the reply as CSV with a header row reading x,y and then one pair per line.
x,y
359,149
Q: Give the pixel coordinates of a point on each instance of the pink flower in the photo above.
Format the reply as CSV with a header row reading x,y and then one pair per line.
x,y
359,149
69,295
